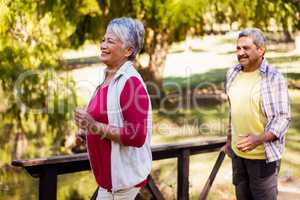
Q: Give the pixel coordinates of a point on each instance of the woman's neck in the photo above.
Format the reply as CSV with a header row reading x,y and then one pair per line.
x,y
111,69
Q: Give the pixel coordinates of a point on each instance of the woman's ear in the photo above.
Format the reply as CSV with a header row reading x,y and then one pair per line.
x,y
128,51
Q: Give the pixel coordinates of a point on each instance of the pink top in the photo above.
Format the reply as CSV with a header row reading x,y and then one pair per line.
x,y
134,103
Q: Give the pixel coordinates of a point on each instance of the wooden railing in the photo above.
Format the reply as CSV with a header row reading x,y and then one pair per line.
x,y
47,169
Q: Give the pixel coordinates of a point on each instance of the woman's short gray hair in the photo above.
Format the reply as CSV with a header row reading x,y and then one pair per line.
x,y
256,34
130,31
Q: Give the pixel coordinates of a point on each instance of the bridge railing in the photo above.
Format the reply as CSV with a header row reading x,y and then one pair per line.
x,y
47,169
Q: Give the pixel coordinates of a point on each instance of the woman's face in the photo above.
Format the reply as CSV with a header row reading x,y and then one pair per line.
x,y
113,52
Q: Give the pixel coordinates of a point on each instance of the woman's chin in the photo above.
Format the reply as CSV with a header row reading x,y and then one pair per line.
x,y
106,63
104,60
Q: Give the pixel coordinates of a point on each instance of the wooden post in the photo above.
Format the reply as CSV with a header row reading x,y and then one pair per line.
x,y
212,176
156,194
48,183
183,164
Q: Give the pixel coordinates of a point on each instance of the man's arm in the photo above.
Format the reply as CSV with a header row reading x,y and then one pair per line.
x,y
281,112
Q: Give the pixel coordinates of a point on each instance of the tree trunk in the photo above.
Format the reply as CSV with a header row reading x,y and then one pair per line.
x,y
157,46
297,41
287,34
20,145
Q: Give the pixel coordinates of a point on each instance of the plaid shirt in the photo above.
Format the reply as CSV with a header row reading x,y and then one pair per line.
x,y
275,106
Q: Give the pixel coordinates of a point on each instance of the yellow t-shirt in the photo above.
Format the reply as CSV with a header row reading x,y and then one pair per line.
x,y
246,113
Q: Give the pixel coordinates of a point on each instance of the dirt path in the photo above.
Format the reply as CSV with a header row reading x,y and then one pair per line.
x,y
289,191
288,196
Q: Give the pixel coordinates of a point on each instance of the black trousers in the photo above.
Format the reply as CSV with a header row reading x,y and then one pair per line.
x,y
254,179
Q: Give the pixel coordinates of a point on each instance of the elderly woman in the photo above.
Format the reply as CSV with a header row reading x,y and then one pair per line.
x,y
118,118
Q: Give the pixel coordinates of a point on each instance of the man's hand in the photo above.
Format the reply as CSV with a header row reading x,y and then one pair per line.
x,y
249,142
227,149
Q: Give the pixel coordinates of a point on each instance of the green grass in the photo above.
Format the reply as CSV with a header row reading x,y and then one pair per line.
x,y
197,123
212,78
291,158
284,59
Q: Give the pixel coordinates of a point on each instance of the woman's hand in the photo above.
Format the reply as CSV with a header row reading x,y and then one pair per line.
x,y
82,119
80,137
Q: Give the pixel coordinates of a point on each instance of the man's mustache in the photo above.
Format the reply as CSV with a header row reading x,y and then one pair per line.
x,y
242,56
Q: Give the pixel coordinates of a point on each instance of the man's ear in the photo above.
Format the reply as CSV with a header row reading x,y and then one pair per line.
x,y
129,51
262,50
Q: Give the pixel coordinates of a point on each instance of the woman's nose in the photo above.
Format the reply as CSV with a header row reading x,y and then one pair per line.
x,y
103,45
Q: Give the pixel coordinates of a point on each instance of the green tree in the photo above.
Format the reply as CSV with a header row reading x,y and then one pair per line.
x,y
258,13
165,24
166,21
39,99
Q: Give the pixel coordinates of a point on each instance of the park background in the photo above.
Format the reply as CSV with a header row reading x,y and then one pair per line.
x,y
49,65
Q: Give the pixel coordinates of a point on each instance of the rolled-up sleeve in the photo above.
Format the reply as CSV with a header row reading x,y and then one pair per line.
x,y
134,102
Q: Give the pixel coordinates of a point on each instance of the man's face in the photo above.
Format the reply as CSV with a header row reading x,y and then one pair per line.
x,y
248,54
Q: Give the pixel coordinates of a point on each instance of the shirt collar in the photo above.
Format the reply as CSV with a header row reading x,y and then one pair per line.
x,y
123,68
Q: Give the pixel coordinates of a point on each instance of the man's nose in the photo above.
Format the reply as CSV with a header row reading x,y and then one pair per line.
x,y
240,52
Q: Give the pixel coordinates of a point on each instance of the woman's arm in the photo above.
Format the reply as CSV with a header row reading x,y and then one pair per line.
x,y
135,103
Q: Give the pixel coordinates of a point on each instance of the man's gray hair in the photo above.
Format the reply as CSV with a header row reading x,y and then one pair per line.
x,y
130,31
256,34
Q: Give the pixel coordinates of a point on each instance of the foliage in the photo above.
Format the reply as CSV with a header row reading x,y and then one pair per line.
x,y
258,13
39,99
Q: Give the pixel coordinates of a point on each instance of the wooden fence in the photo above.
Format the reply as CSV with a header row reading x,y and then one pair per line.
x,y
47,169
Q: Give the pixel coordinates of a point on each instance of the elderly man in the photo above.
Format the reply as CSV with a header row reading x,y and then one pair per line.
x,y
258,120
